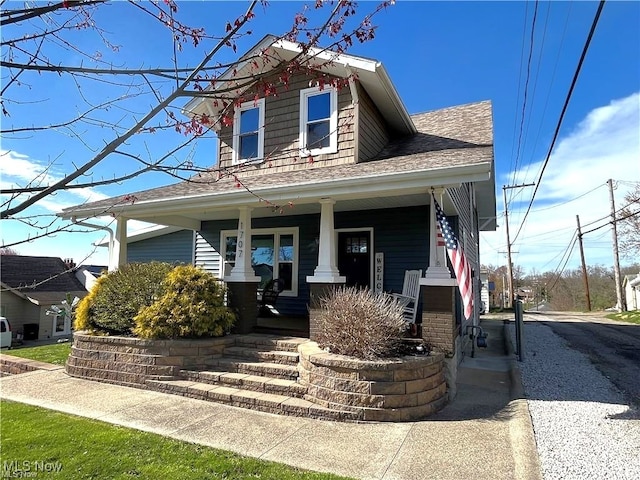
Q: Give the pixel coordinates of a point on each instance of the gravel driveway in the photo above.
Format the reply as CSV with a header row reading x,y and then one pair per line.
x,y
584,427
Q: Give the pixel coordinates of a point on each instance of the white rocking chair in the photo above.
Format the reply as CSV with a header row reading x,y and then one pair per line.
x,y
408,299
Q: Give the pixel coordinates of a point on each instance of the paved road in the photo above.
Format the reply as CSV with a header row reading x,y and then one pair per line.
x,y
613,347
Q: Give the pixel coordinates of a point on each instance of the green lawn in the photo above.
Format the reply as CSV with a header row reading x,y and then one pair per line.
x,y
55,353
629,317
89,449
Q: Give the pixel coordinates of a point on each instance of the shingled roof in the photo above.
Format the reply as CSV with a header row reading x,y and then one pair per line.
x,y
45,279
446,138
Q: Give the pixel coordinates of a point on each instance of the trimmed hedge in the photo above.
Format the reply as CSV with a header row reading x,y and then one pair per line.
x,y
192,306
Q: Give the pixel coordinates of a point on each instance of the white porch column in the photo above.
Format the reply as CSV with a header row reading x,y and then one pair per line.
x,y
437,272
326,271
243,271
118,255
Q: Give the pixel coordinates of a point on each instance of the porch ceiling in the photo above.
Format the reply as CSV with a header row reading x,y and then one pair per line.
x,y
302,207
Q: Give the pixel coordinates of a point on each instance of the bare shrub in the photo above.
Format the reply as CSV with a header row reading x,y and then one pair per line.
x,y
360,324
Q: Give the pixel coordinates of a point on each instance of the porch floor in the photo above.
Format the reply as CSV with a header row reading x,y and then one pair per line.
x,y
296,326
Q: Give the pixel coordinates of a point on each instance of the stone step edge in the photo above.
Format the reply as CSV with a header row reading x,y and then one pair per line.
x,y
285,344
266,369
261,401
274,356
257,383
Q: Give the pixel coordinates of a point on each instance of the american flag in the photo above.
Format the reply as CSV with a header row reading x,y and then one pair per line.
x,y
460,264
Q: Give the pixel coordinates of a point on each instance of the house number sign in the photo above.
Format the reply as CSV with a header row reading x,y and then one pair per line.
x,y
379,269
240,246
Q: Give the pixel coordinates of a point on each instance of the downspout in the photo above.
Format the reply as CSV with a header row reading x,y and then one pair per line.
x,y
98,227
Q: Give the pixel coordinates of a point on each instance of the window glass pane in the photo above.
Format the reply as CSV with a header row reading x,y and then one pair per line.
x,y
318,107
286,248
230,249
318,135
59,323
285,272
248,146
249,120
262,261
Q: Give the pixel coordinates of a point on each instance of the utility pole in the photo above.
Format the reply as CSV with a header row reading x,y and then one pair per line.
x,y
506,222
584,266
616,257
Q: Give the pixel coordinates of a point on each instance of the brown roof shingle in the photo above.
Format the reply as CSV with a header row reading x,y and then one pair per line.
x,y
449,137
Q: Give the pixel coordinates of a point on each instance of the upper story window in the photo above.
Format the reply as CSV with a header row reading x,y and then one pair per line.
x,y
318,120
248,131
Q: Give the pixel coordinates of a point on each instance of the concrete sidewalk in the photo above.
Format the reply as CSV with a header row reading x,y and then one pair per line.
x,y
485,433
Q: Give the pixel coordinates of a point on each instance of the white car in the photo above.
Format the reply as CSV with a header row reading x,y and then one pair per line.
x,y
5,333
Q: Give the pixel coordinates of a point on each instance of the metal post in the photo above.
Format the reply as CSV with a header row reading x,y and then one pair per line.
x,y
519,330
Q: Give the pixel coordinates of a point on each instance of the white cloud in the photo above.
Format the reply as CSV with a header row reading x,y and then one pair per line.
x,y
18,170
605,145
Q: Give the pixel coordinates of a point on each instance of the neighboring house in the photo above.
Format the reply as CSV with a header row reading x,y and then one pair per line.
x,y
631,286
484,290
317,183
29,286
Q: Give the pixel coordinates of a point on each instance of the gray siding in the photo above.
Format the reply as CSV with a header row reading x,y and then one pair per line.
x,y
176,247
372,130
206,256
282,130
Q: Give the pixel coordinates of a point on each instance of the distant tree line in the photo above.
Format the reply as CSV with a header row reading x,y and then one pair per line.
x,y
564,292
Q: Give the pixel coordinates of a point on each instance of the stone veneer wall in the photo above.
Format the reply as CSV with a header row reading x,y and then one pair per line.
x,y
401,389
133,361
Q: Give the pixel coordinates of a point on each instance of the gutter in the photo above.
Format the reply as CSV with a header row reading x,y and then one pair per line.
x,y
75,220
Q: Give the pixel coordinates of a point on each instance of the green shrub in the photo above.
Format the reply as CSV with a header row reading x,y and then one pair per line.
x,y
83,314
360,324
192,306
118,297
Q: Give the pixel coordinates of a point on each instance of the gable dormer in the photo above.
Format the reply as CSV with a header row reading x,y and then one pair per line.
x,y
339,109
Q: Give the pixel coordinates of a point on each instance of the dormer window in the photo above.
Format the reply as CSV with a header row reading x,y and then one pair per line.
x,y
318,121
248,132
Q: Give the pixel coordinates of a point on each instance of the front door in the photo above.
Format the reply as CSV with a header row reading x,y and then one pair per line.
x,y
354,257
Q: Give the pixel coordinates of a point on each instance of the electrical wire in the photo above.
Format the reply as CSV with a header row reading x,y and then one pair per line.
x,y
526,86
569,251
562,113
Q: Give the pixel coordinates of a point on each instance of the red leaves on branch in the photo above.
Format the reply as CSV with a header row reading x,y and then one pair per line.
x,y
130,198
227,120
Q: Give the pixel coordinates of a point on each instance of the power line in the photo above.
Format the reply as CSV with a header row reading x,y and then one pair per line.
x,y
564,110
526,86
569,251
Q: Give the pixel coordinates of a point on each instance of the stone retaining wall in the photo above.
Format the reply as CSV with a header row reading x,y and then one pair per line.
x,y
133,361
402,389
10,365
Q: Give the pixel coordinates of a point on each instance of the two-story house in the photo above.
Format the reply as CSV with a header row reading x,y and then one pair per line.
x,y
323,178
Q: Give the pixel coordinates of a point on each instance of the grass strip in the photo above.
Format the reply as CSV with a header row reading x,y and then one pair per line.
x,y
629,317
55,353
72,447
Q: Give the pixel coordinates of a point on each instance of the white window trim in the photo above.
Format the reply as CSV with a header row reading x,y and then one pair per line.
x,y
276,232
333,120
259,104
67,325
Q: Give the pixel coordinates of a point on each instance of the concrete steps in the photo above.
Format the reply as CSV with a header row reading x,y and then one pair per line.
x,y
259,372
254,400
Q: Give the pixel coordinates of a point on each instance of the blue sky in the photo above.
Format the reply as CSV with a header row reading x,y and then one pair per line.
x,y
438,54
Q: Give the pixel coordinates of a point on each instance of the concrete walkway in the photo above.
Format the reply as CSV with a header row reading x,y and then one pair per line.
x,y
485,433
